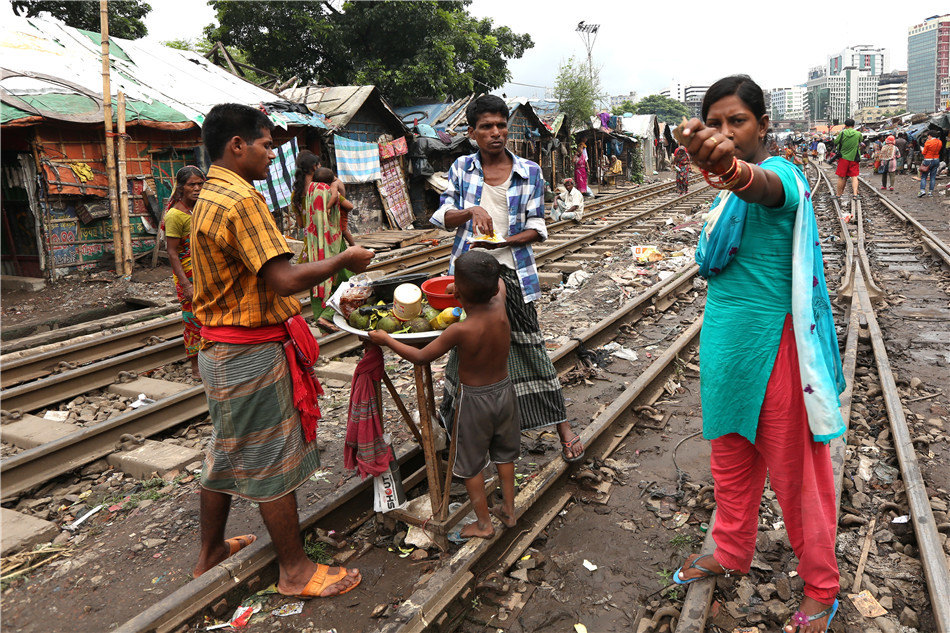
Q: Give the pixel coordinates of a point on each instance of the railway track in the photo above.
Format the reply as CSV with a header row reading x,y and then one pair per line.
x,y
346,507
858,291
34,466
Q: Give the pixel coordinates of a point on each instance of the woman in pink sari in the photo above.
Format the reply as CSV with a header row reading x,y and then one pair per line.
x,y
580,168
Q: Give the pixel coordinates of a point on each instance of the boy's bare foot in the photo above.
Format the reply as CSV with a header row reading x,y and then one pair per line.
x,y
473,530
506,517
809,607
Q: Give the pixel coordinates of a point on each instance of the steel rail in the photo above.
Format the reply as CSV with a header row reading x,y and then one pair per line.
x,y
23,471
56,388
31,367
933,242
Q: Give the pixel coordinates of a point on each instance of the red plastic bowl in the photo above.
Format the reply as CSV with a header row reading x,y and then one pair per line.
x,y
438,298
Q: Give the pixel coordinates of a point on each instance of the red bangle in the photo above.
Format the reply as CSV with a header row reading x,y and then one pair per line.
x,y
751,178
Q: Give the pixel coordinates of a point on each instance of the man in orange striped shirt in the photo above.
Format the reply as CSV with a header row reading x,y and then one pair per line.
x,y
259,398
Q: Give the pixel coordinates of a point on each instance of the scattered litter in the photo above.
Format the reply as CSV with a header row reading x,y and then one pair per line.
x,y
884,473
864,467
141,401
577,278
580,628
321,475
418,537
665,274
56,416
901,519
618,350
680,519
291,608
646,253
75,524
745,629
242,615
589,565
628,525
867,605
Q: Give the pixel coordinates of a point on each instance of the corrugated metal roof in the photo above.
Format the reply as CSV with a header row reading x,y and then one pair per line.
x,y
43,53
340,104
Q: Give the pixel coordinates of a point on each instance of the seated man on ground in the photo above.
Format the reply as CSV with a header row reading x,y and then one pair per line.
x,y
568,205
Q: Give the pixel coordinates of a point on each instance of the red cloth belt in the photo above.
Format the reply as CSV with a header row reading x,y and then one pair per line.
x,y
302,351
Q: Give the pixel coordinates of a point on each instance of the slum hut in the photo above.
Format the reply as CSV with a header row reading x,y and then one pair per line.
x,y
526,132
439,137
55,207
361,123
556,149
646,129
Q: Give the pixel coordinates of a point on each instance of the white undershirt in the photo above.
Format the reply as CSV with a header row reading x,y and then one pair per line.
x,y
495,201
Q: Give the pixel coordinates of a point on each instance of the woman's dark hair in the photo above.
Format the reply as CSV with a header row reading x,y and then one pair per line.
x,y
483,104
182,176
307,162
740,85
227,120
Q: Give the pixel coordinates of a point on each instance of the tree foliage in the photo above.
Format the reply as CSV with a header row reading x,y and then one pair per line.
x,y
625,106
667,110
410,50
125,16
576,92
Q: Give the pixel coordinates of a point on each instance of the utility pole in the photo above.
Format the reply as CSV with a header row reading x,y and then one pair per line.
x,y
588,33
110,139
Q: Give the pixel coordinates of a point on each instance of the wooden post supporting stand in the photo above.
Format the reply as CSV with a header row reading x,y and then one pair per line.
x,y
428,441
127,260
110,145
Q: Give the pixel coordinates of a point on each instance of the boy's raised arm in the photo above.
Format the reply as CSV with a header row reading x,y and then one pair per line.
x,y
446,341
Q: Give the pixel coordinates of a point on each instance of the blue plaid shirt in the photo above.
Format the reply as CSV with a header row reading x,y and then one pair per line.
x,y
525,211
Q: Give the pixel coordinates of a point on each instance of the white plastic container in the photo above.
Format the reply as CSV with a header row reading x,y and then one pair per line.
x,y
407,302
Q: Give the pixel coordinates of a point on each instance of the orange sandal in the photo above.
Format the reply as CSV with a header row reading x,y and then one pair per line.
x,y
237,543
321,580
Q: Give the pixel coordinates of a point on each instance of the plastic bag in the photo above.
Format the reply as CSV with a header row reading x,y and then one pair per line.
x,y
351,294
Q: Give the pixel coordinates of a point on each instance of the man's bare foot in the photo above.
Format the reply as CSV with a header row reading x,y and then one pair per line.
x,y
326,582
810,607
473,529
327,325
707,561
505,516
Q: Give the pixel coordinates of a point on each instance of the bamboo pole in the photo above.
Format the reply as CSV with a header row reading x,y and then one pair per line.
x,y
124,194
110,145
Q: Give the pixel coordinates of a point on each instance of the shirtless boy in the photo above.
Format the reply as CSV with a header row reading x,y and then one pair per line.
x,y
487,412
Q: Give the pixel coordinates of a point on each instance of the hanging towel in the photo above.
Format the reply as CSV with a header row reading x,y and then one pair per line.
x,y
365,449
356,161
278,186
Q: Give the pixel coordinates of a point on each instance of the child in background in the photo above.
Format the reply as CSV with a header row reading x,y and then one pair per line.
x,y
487,420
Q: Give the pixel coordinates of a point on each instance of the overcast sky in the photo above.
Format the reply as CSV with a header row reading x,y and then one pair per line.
x,y
774,43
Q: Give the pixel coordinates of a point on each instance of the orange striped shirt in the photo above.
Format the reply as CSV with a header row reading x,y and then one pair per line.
x,y
232,236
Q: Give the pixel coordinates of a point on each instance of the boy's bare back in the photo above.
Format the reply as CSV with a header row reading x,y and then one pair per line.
x,y
484,341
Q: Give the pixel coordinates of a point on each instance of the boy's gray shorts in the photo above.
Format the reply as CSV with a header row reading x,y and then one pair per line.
x,y
489,427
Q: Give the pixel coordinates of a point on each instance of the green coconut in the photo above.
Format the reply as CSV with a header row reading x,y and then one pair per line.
x,y
419,324
389,324
359,321
429,313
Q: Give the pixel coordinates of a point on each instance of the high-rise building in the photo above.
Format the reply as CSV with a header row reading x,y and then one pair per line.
x,y
788,104
693,97
838,97
619,100
676,91
872,59
928,64
892,90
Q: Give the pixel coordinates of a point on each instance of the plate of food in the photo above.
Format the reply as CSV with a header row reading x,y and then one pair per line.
x,y
490,239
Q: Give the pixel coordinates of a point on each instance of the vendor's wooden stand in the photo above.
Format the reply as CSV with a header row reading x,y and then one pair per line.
x,y
431,512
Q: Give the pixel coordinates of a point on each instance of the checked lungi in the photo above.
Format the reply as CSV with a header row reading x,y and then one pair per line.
x,y
257,447
540,400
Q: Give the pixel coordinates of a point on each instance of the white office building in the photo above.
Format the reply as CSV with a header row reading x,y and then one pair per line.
x,y
788,104
872,59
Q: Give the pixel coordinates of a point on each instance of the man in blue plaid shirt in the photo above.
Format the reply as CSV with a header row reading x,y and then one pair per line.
x,y
495,193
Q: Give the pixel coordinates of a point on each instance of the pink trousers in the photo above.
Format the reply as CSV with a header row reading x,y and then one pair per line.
x,y
800,474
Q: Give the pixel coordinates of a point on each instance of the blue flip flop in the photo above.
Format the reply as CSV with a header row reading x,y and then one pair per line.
x,y
455,536
693,565
800,619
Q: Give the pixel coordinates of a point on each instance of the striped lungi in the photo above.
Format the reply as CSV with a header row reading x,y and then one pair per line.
x,y
540,400
257,447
